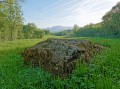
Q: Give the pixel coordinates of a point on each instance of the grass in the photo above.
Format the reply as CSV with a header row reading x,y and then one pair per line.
x,y
102,73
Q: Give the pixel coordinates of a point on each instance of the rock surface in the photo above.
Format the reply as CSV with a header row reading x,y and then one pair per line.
x,y
59,56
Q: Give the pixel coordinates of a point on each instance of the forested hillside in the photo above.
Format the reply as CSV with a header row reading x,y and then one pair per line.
x,y
109,27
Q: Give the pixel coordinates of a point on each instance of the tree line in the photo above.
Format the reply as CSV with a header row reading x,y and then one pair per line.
x,y
109,27
11,22
31,31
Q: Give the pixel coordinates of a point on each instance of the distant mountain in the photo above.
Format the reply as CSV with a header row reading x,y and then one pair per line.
x,y
57,28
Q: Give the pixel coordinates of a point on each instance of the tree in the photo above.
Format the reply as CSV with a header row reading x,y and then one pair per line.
x,y
47,32
10,12
75,28
31,31
109,27
111,21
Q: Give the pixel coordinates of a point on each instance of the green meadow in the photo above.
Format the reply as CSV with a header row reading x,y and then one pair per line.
x,y
103,72
24,23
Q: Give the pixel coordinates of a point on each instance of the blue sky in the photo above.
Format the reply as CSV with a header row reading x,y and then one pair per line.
x,y
47,13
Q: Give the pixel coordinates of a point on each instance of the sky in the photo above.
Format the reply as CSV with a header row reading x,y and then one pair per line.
x,y
47,13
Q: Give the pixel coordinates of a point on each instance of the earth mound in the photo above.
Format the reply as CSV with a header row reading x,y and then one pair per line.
x,y
59,56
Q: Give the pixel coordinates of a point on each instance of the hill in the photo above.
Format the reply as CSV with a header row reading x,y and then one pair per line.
x,y
57,28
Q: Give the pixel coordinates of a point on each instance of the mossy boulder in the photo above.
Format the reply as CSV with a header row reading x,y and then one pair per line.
x,y
59,56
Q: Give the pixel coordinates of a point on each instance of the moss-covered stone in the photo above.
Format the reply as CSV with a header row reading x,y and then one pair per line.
x,y
59,56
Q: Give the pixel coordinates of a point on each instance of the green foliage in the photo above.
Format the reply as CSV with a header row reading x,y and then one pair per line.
x,y
11,19
11,26
31,31
75,29
47,32
102,73
111,21
91,30
63,33
39,33
109,27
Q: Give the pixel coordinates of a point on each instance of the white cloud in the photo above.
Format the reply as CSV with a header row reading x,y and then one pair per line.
x,y
89,11
82,12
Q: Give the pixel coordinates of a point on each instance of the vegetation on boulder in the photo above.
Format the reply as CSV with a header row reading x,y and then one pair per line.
x,y
59,56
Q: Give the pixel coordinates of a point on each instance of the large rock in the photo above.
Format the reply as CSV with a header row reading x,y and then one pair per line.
x,y
59,56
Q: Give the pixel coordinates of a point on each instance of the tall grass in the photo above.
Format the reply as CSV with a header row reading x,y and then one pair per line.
x,y
102,73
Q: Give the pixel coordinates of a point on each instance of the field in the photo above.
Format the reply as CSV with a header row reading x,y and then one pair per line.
x,y
102,73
